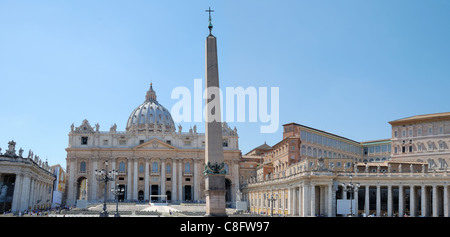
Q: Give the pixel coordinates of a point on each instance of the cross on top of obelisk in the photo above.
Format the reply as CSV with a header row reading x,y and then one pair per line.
x,y
210,24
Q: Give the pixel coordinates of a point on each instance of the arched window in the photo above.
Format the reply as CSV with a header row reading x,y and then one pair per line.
x,y
155,167
83,166
303,150
122,166
187,167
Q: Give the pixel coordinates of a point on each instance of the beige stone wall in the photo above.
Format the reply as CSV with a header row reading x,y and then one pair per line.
x,y
422,141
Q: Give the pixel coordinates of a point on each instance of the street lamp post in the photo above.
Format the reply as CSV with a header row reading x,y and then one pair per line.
x,y
117,191
271,200
351,188
105,176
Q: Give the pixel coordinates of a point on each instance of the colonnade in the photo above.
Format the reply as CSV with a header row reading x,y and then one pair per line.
x,y
376,198
404,199
31,193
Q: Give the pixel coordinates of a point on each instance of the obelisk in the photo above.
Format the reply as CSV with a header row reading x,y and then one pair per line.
x,y
214,164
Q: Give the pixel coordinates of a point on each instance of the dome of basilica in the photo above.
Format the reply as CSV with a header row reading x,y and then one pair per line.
x,y
151,116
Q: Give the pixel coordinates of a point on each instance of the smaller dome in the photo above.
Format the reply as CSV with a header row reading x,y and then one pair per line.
x,y
151,116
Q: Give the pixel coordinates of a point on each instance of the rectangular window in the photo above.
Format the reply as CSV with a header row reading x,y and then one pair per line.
x,y
430,131
395,133
410,149
441,130
84,140
410,132
419,132
377,149
105,142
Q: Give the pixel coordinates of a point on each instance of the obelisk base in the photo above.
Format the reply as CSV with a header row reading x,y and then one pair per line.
x,y
215,196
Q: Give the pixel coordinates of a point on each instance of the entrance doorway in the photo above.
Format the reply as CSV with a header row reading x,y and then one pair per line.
x,y
169,196
82,188
188,193
121,195
154,189
141,195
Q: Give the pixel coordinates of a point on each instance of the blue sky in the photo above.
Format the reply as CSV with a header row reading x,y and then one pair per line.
x,y
346,67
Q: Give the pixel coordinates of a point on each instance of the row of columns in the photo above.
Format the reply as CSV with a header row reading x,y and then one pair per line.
x,y
311,199
133,177
305,199
31,193
435,211
132,181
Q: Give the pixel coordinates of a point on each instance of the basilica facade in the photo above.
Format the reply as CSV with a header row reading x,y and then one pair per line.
x,y
155,160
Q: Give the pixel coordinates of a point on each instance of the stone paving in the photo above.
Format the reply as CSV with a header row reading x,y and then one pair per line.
x,y
140,210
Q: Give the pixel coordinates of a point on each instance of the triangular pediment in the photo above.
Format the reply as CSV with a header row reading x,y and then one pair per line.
x,y
154,144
